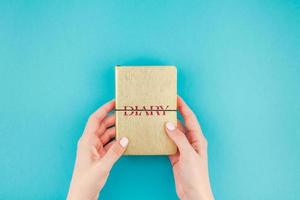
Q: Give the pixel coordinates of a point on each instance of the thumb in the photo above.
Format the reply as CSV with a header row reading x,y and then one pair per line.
x,y
178,137
114,153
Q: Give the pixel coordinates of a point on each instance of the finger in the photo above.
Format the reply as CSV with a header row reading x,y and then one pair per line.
x,y
108,135
101,112
199,148
190,119
174,158
188,115
94,120
195,134
107,122
114,153
108,145
178,137
180,126
95,153
101,150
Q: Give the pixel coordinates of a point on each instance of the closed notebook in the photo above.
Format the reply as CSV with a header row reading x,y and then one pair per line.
x,y
146,98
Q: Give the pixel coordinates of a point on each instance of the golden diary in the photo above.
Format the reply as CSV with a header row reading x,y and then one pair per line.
x,y
146,98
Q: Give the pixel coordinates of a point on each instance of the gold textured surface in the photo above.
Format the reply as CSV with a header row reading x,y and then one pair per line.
x,y
146,86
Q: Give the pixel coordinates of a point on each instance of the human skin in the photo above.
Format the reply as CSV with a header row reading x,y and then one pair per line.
x,y
97,152
190,163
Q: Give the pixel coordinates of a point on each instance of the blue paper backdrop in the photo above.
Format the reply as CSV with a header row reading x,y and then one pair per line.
x,y
238,68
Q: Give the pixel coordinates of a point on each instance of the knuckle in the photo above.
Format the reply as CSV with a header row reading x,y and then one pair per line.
x,y
116,151
104,123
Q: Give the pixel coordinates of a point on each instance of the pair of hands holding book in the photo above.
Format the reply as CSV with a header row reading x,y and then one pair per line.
x,y
96,155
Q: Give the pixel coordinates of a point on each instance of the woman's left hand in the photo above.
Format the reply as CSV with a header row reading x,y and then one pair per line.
x,y
96,154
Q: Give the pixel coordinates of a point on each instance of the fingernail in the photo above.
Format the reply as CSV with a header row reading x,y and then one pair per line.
x,y
124,141
170,126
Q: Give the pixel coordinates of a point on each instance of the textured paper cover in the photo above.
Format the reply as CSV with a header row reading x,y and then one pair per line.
x,y
146,86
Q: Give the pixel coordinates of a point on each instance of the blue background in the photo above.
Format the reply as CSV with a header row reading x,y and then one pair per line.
x,y
238,68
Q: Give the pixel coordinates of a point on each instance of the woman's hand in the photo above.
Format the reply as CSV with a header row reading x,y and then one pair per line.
x,y
96,154
190,163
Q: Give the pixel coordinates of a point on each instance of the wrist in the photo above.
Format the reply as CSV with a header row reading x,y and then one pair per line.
x,y
79,192
198,195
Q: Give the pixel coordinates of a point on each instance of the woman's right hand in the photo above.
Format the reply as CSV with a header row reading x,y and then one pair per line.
x,y
190,163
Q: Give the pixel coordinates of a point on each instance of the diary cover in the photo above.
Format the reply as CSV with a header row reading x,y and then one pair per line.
x,y
146,98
